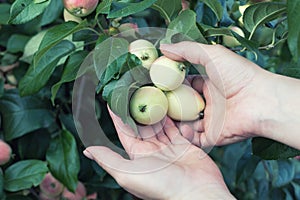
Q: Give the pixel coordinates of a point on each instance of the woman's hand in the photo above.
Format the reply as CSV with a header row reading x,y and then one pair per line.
x,y
233,88
162,165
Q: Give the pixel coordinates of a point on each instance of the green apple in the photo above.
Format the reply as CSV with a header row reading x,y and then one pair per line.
x,y
167,74
231,41
185,103
145,51
148,105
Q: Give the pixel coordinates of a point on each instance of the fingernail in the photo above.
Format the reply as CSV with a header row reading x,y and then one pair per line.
x,y
88,154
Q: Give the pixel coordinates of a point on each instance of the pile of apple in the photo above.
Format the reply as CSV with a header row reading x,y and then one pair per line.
x,y
168,95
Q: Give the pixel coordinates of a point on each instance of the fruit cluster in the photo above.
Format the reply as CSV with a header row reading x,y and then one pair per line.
x,y
168,95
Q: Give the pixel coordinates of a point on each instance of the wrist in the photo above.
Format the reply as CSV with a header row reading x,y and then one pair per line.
x,y
209,193
278,115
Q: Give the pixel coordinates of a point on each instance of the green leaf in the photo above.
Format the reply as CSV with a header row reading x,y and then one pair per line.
x,y
55,35
215,6
293,28
32,46
121,9
37,76
114,69
209,31
168,9
185,26
52,12
63,159
272,150
1,87
23,11
258,14
4,10
22,115
70,71
107,52
104,7
16,43
40,138
1,184
246,166
284,174
24,174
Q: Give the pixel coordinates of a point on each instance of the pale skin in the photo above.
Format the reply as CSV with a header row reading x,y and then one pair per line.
x,y
255,103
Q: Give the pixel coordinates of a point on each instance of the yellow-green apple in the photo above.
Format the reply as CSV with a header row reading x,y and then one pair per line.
x,y
5,152
50,187
185,103
148,105
231,41
80,8
167,74
69,17
145,51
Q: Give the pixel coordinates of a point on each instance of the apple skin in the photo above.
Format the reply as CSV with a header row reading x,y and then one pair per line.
x,y
167,74
145,51
69,17
231,41
148,105
185,103
80,8
79,194
50,187
43,196
5,152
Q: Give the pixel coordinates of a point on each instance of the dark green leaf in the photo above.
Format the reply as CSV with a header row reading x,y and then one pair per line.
x,y
38,75
185,25
16,43
23,115
258,14
209,31
107,52
18,197
104,7
121,9
215,6
63,159
1,87
286,172
40,138
70,71
1,184
246,166
23,11
55,35
32,46
4,10
52,12
271,150
24,174
168,9
293,28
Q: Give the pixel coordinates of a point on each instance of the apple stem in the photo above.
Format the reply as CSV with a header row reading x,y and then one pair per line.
x,y
142,108
145,56
182,67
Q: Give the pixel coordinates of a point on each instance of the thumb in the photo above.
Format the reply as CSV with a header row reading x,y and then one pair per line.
x,y
109,160
193,52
